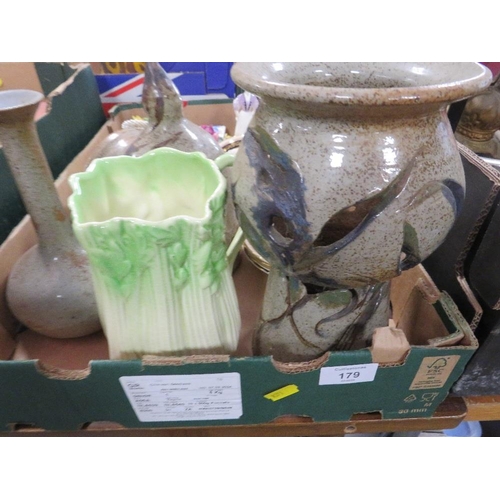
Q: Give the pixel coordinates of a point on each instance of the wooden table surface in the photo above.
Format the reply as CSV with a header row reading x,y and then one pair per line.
x,y
448,415
482,408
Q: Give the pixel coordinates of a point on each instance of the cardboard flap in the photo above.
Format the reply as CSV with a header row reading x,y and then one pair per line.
x,y
55,373
402,288
447,264
301,366
484,271
150,360
389,345
449,340
420,320
19,76
474,303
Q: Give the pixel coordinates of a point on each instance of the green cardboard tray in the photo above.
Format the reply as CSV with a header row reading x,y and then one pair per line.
x,y
68,400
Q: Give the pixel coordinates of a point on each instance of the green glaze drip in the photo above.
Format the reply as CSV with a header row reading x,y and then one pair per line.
x,y
335,298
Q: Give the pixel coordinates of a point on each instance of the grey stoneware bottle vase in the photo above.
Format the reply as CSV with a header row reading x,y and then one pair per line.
x,y
49,289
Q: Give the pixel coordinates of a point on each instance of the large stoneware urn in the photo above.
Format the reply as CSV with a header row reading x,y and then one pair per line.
x,y
349,172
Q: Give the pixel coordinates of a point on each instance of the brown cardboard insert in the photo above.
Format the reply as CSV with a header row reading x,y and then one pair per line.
x,y
418,320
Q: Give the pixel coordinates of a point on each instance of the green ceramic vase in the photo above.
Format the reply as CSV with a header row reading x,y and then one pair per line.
x,y
153,229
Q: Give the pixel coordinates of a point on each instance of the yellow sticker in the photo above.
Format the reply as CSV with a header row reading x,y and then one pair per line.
x,y
284,392
1,82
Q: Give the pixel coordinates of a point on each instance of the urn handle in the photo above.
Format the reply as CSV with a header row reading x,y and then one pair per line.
x,y
225,160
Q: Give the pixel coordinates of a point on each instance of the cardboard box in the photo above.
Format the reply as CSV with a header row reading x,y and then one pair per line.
x,y
19,76
43,77
199,112
69,384
195,81
467,266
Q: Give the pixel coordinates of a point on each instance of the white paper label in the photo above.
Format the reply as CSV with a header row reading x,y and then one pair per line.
x,y
347,374
170,398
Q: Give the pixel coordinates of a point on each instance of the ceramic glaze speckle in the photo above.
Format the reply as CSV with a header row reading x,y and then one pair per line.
x,y
347,165
348,174
49,288
300,324
153,228
368,84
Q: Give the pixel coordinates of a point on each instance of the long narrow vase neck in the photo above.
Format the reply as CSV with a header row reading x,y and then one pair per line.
x,y
33,178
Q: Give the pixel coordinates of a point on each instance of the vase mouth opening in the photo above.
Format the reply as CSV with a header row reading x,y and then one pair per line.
x,y
158,188
368,84
19,98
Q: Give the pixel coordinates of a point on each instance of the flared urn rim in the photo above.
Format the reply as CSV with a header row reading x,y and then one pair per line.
x,y
363,84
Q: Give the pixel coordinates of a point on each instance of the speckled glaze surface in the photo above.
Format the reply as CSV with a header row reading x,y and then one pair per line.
x,y
153,228
300,323
166,125
50,287
349,172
